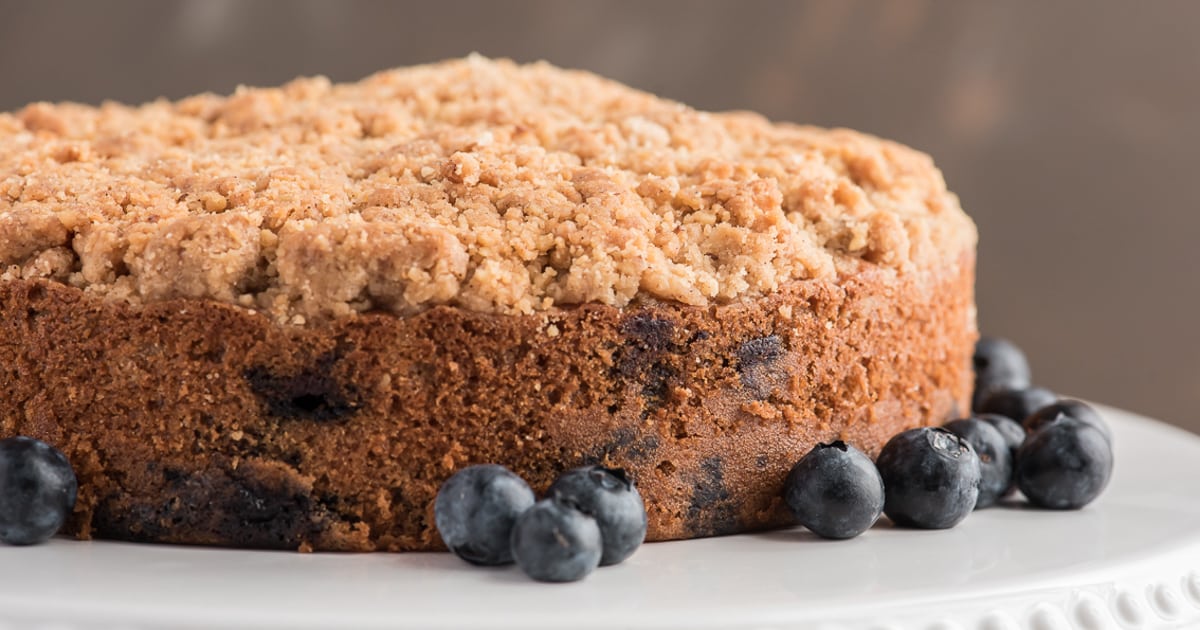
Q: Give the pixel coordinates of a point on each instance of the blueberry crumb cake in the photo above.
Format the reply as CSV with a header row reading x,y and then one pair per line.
x,y
282,318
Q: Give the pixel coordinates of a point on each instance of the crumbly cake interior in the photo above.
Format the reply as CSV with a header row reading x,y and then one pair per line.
x,y
485,185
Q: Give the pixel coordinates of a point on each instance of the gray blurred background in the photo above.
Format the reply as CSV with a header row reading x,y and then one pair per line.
x,y
1069,129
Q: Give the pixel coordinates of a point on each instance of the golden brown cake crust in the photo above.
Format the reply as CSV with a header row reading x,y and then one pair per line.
x,y
478,184
197,422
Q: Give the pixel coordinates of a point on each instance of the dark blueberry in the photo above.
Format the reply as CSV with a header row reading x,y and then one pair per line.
x,y
475,510
37,490
1017,403
312,393
1070,408
1014,435
1064,465
610,497
835,491
995,458
999,364
1011,430
712,510
760,350
930,478
554,541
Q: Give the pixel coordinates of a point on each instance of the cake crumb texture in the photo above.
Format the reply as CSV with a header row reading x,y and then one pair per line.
x,y
479,184
191,421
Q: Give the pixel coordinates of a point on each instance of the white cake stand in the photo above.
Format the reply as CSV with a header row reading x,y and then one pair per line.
x,y
1130,560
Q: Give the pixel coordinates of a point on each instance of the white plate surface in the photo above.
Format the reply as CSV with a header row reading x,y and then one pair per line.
x,y
1130,560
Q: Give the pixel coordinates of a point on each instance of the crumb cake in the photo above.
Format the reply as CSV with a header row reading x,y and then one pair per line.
x,y
283,317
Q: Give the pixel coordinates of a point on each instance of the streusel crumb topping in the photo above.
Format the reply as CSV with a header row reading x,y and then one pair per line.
x,y
480,184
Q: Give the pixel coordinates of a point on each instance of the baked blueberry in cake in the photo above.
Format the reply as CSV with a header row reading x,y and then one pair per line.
x,y
282,318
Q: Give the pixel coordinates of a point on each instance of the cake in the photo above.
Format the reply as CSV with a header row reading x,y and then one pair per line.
x,y
281,318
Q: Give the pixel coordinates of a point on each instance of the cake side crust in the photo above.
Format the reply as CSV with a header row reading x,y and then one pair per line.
x,y
197,422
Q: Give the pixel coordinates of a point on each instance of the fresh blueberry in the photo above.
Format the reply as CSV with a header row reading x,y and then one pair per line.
x,y
930,478
999,364
1070,408
1017,403
475,510
835,491
610,497
554,541
1014,436
995,458
1011,430
37,490
1064,465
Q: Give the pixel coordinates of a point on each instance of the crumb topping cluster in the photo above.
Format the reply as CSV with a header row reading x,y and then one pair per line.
x,y
480,184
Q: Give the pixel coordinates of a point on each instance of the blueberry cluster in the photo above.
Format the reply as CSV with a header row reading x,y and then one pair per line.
x,y
1057,452
37,491
591,516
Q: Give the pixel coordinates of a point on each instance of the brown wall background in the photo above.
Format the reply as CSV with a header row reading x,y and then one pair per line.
x,y
1069,129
